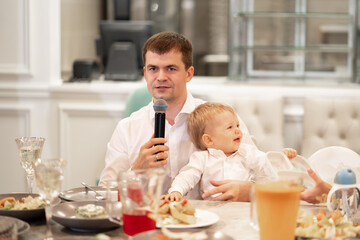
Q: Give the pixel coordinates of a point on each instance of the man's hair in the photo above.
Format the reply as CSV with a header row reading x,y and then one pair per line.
x,y
165,42
196,122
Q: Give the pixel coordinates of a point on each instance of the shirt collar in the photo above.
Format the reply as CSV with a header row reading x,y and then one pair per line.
x,y
188,107
218,153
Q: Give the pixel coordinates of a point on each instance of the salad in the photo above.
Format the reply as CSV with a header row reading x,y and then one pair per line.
x,y
325,225
29,202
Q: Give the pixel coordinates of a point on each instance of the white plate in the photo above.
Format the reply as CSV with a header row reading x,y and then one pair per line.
x,y
203,218
327,161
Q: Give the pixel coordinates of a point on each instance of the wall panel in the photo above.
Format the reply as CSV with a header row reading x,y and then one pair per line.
x,y
84,133
14,122
14,41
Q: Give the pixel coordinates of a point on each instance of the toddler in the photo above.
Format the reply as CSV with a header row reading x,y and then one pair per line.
x,y
214,129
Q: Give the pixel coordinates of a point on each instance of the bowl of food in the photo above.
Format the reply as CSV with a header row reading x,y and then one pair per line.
x,y
320,223
24,206
83,216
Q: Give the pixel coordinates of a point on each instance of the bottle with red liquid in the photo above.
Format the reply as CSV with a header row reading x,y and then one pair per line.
x,y
134,192
138,190
137,221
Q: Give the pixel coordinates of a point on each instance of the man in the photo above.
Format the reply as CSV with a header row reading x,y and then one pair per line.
x,y
168,68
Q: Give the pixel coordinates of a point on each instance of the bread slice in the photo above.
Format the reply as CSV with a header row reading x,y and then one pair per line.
x,y
185,218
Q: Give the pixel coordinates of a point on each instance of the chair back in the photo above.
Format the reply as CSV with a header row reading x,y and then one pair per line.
x,y
263,117
136,100
330,122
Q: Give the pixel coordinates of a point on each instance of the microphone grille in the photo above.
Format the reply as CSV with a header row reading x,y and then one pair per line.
x,y
160,106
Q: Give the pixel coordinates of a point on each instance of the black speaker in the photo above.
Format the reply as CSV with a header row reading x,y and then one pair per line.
x,y
122,63
85,70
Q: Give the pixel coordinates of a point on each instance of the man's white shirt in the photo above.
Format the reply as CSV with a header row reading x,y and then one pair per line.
x,y
133,132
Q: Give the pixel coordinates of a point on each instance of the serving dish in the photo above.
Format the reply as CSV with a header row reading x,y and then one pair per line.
x,y
82,194
64,214
26,214
21,226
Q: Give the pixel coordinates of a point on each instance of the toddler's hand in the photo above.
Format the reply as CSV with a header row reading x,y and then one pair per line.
x,y
174,196
289,152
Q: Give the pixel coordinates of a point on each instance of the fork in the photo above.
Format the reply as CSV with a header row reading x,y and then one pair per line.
x,y
98,196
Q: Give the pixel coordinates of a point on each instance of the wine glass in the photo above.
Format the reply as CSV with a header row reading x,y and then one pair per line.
x,y
49,175
30,149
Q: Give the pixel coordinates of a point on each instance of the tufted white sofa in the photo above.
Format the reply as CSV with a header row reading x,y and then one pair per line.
x,y
326,122
331,121
262,115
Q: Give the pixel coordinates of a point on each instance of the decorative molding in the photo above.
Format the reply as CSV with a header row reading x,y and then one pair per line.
x,y
22,68
22,112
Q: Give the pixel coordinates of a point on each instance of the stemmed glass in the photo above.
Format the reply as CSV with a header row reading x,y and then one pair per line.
x,y
49,177
30,149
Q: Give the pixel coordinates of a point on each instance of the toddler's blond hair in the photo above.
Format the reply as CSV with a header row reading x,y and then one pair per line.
x,y
196,123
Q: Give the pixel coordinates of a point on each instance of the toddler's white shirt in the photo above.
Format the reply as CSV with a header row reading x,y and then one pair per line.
x,y
245,164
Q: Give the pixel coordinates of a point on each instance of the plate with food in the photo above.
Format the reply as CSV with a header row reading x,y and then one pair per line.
x,y
21,226
184,215
321,224
82,194
165,234
83,216
24,206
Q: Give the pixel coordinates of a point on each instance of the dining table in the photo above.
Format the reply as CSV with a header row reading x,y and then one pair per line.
x,y
234,221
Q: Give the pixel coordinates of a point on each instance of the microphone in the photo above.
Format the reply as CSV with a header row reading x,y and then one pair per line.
x,y
160,107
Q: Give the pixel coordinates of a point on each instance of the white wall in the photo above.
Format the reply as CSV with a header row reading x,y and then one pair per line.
x,y
77,119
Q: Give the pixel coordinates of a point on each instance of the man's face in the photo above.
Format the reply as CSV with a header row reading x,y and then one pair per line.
x,y
166,76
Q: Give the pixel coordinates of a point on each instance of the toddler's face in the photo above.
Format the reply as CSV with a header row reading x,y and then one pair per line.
x,y
225,132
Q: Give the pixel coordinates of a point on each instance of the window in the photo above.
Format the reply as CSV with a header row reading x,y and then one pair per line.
x,y
297,39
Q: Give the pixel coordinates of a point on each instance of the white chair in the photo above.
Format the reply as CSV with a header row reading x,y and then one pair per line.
x,y
331,122
263,117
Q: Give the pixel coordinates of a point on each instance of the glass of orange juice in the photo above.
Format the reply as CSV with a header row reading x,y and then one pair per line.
x,y
277,204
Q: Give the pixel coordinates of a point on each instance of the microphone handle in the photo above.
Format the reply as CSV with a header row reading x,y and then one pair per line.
x,y
159,131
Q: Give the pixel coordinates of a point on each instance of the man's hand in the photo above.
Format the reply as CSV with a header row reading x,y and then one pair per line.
x,y
230,190
149,154
321,187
